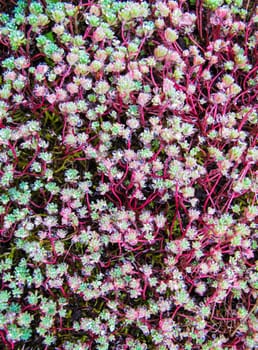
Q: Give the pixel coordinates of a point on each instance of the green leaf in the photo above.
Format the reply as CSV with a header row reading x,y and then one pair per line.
x,y
50,36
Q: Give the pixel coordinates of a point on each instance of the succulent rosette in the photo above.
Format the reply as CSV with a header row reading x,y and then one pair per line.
x,y
128,184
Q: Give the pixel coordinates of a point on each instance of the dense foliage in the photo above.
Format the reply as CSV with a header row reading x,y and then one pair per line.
x,y
128,188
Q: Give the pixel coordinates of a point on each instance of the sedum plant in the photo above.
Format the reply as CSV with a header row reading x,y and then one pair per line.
x,y
128,187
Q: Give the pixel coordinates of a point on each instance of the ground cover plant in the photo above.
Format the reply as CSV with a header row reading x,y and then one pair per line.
x,y
128,146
